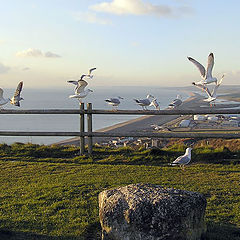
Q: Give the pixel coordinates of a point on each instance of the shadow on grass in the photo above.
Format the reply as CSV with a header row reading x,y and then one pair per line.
x,y
13,235
222,232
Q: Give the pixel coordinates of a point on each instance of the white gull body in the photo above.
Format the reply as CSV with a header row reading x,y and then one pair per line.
x,y
184,159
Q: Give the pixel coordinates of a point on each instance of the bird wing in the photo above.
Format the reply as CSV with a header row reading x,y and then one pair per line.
x,y
19,89
208,92
210,65
200,67
214,92
81,78
90,70
144,101
81,86
1,93
182,160
73,82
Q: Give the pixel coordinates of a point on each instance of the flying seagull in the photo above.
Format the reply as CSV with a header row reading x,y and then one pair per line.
x,y
205,74
80,84
15,100
144,102
184,159
114,102
212,96
90,72
3,100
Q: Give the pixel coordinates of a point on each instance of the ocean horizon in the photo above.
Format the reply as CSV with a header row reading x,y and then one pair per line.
x,y
58,99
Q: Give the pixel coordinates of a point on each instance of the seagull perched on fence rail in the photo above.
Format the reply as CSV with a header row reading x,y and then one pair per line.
x,y
144,102
205,74
15,100
114,102
184,159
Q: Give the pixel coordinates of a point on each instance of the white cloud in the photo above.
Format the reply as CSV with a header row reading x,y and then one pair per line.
x,y
31,52
91,17
138,7
3,68
51,55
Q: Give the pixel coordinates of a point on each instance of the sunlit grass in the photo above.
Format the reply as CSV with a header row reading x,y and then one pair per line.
x,y
56,197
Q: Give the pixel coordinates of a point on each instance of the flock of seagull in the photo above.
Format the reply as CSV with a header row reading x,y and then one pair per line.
x,y
150,100
80,91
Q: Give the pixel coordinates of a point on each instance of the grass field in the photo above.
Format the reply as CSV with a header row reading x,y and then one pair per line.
x,y
51,193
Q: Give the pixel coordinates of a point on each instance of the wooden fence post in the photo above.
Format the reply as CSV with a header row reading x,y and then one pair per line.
x,y
89,121
82,129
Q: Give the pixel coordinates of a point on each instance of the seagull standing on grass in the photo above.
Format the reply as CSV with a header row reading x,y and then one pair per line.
x,y
15,100
3,100
144,102
114,102
205,74
184,159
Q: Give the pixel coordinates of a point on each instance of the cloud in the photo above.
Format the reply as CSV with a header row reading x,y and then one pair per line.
x,y
138,7
3,68
26,69
31,52
51,55
91,17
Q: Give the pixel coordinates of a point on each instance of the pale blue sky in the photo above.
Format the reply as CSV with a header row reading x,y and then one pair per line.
x,y
131,42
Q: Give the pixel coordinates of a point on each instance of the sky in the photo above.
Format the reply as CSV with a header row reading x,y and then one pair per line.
x,y
130,42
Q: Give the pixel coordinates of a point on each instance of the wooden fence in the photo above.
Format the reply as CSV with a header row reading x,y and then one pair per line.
x,y
90,134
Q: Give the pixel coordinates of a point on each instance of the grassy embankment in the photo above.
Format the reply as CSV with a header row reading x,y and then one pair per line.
x,y
51,193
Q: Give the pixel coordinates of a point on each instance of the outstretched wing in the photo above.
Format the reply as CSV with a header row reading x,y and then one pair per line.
x,y
1,93
214,92
19,89
90,70
210,65
81,86
200,67
73,82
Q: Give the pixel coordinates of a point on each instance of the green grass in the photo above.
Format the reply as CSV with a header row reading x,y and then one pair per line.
x,y
51,193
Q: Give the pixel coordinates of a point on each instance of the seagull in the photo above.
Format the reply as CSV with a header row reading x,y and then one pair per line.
x,y
81,95
184,159
3,100
114,101
80,84
155,104
176,102
144,102
212,96
15,100
206,75
90,72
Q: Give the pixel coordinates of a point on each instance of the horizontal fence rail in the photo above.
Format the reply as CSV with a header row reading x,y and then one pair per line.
x,y
216,133
124,112
134,134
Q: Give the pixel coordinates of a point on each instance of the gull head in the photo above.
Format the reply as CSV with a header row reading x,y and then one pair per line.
x,y
193,83
188,150
150,96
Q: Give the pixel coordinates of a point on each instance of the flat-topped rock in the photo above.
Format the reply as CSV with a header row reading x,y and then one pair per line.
x,y
151,212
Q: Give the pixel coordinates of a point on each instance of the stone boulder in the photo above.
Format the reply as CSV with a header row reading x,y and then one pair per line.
x,y
146,211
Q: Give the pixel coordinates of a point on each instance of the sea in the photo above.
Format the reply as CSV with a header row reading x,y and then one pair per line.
x,y
58,99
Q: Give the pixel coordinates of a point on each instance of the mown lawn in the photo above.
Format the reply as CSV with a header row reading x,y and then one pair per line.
x,y
47,197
